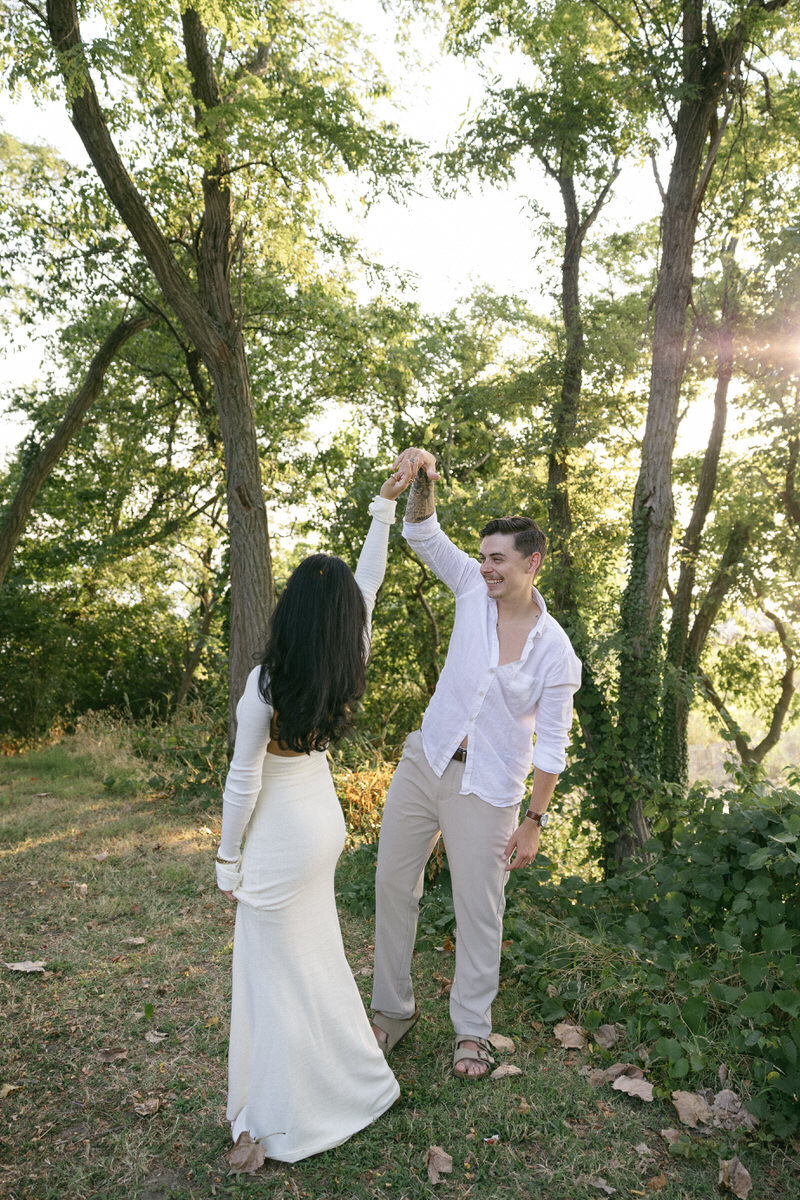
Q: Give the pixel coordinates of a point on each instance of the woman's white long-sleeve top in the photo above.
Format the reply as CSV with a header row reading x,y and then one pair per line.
x,y
254,715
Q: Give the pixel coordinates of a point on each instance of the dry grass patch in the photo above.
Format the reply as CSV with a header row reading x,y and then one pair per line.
x,y
113,1063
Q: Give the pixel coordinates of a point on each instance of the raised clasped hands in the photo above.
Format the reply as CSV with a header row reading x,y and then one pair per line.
x,y
418,460
398,481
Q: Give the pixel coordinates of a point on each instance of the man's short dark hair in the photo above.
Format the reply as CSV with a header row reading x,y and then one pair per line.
x,y
528,537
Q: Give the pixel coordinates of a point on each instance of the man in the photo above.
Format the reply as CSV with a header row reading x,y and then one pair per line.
x,y
510,668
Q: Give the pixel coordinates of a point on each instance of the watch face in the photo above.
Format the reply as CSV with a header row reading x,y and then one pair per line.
x,y
543,819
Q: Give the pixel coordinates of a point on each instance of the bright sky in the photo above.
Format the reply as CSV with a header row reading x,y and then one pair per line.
x,y
446,245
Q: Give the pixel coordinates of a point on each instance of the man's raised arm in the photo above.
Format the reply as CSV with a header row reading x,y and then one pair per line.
x,y
429,541
421,502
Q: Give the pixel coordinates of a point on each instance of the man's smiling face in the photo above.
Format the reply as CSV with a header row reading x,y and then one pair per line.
x,y
508,575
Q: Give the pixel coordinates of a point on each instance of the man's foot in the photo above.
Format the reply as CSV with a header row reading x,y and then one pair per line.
x,y
471,1058
390,1030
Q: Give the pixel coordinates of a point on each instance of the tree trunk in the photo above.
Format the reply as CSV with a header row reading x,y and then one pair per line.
x,y
207,605
709,71
38,471
207,316
597,728
679,674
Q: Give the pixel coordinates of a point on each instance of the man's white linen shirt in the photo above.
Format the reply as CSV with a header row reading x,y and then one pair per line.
x,y
497,707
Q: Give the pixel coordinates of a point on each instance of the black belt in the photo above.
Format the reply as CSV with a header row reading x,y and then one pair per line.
x,y
461,754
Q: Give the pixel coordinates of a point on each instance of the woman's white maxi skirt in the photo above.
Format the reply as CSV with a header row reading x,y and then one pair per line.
x,y
304,1069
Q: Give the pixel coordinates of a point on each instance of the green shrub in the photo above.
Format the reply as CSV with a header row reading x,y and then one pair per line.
x,y
696,951
187,755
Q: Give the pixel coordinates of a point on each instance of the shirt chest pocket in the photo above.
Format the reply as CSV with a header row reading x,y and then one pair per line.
x,y
522,693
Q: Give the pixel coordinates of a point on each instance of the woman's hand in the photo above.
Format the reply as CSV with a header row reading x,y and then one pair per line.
x,y
418,460
229,896
397,483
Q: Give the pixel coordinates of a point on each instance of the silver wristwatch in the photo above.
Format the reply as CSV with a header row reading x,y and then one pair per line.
x,y
541,819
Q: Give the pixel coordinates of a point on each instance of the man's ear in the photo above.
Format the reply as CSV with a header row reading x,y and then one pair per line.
x,y
535,563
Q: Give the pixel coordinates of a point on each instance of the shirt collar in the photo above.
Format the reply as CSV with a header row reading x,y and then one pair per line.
x,y
540,624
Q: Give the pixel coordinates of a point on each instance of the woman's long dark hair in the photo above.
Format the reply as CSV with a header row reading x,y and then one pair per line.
x,y
313,670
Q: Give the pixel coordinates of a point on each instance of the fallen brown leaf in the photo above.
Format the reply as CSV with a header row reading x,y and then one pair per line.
x,y
134,941
154,1036
448,946
246,1156
595,1076
642,1149
630,1069
633,1086
692,1108
501,1043
607,1036
671,1136
101,857
505,1070
570,1036
523,1108
735,1177
110,1054
27,966
82,890
657,1183
445,984
147,1108
596,1181
8,1088
581,1129
438,1162
730,1113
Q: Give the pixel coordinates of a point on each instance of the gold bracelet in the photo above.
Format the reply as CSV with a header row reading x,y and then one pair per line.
x,y
227,862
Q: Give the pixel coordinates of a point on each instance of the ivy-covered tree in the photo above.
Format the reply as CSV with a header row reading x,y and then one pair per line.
x,y
581,109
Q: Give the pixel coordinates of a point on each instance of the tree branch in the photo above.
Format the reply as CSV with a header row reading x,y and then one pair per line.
x,y
781,709
89,122
728,720
37,473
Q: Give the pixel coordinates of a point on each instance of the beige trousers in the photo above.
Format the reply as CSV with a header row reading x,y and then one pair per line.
x,y
419,807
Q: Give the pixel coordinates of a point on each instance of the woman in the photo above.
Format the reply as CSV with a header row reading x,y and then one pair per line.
x,y
304,1069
